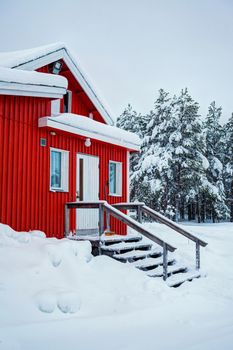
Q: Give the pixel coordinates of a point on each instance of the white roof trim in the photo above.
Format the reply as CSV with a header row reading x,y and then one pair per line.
x,y
29,90
61,52
92,129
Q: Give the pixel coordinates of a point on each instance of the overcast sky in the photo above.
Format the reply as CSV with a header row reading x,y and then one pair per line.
x,y
131,48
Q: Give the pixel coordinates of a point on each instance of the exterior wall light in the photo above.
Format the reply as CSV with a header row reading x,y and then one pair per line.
x,y
52,133
88,142
55,67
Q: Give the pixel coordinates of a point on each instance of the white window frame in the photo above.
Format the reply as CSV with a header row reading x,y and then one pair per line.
x,y
64,170
118,178
55,107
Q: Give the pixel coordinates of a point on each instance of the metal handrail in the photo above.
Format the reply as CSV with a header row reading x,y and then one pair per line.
x,y
103,206
142,208
160,218
109,209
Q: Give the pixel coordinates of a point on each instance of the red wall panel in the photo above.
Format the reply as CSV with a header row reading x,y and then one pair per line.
x,y
81,104
25,200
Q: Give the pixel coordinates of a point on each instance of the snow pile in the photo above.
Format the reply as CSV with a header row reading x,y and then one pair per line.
x,y
54,293
57,277
41,270
67,302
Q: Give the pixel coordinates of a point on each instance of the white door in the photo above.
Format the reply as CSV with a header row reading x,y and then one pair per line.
x,y
87,185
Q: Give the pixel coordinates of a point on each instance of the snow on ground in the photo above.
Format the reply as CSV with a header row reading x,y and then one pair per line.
x,y
55,295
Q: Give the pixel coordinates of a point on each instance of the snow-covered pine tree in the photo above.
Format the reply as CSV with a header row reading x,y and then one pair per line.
x,y
214,195
149,179
171,170
172,173
188,163
228,164
130,120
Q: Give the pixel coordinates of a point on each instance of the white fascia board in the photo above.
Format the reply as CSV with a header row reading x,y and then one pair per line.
x,y
31,90
47,122
75,70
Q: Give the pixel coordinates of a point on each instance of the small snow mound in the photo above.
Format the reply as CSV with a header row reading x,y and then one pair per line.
x,y
6,230
23,237
54,253
37,233
155,285
46,301
68,302
82,250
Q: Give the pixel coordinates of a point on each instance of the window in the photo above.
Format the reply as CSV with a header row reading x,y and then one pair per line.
x,y
115,178
55,107
59,170
68,102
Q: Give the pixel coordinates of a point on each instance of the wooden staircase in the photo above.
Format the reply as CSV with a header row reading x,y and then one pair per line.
x,y
143,255
143,250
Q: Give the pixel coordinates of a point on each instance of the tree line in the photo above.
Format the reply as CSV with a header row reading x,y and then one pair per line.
x,y
185,165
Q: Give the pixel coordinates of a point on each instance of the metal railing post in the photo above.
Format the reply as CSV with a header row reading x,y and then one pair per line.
x,y
101,224
67,221
139,214
108,221
198,260
164,261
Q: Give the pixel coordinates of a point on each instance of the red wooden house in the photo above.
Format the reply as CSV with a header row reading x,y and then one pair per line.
x,y
57,144
59,150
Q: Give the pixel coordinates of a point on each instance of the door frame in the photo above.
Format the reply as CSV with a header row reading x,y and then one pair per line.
x,y
81,192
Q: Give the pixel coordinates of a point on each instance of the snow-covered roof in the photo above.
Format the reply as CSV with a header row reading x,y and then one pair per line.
x,y
84,126
15,59
35,58
25,82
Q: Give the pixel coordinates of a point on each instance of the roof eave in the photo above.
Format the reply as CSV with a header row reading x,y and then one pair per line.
x,y
49,123
20,89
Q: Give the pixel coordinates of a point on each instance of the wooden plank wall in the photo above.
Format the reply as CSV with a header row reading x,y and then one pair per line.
x,y
25,200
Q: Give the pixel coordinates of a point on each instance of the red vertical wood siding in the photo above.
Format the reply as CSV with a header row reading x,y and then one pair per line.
x,y
25,200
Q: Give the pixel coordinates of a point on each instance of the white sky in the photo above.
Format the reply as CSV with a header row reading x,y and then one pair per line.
x,y
132,48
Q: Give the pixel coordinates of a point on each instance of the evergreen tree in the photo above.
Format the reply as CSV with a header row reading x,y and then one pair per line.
x,y
172,166
149,177
215,197
188,161
228,164
130,120
183,164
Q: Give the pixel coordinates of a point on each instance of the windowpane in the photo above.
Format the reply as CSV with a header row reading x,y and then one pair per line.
x,y
112,178
56,169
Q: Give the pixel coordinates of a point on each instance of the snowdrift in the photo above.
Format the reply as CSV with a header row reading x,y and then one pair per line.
x,y
43,278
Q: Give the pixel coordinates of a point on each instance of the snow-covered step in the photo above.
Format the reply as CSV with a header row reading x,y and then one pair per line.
x,y
150,263
124,246
179,278
107,240
137,254
141,254
171,269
